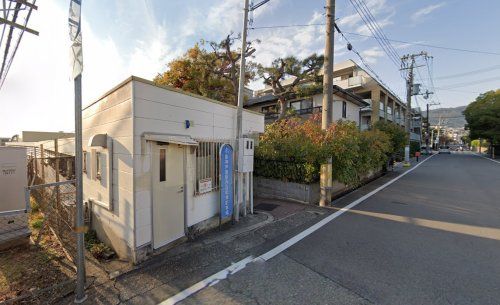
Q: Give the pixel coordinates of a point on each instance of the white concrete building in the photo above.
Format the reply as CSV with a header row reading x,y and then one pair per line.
x,y
150,163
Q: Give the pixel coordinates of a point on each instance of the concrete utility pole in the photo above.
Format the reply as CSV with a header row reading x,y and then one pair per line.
x,y
409,87
326,114
408,63
239,113
427,131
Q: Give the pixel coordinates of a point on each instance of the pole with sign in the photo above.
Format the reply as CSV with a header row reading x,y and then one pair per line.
x,y
226,182
75,35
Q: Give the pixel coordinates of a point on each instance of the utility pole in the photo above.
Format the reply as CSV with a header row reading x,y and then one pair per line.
x,y
409,87
326,114
427,131
408,63
241,99
239,113
75,34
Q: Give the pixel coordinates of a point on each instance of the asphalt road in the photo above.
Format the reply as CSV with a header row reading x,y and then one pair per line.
x,y
432,237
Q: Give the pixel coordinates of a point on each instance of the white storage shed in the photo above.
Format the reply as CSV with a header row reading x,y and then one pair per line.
x,y
13,206
150,163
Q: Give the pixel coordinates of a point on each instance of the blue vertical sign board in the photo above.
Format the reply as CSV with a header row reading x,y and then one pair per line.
x,y
226,181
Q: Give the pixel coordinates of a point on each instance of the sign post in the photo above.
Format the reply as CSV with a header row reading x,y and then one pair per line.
x,y
75,34
226,182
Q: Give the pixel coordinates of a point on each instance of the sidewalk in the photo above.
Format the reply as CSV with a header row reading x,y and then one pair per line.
x,y
172,271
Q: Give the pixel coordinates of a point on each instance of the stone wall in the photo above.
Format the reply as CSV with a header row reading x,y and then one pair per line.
x,y
303,193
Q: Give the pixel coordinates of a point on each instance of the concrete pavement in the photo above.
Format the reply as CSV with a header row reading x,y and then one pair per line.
x,y
432,237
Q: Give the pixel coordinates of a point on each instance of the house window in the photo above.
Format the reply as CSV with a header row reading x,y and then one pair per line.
x,y
207,166
344,109
302,106
269,109
98,165
163,164
295,105
84,165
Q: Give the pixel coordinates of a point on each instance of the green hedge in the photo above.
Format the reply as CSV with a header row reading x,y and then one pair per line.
x,y
293,149
300,172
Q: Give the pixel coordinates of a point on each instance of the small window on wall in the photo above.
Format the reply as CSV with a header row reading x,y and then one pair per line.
x,y
344,109
84,165
98,165
163,164
207,166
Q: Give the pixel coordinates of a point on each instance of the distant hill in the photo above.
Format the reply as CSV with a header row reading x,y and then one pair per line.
x,y
451,117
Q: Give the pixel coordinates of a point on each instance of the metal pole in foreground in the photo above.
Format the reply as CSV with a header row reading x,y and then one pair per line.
x,y
239,112
80,260
75,34
326,114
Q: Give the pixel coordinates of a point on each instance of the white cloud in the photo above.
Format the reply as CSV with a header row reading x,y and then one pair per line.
x,y
382,12
38,92
421,13
372,54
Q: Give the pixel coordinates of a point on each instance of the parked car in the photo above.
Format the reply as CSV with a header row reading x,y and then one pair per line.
x,y
444,150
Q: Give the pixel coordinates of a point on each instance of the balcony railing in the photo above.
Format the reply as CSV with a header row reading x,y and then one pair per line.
x,y
355,81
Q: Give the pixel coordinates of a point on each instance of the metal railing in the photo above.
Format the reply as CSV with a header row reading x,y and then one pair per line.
x,y
207,165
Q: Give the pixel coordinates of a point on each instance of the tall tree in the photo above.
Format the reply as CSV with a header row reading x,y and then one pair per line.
x,y
212,72
483,117
225,62
285,74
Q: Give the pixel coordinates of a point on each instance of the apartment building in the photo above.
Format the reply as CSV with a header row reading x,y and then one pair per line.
x,y
383,104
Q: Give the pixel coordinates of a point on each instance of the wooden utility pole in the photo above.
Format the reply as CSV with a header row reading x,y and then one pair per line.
x,y
326,113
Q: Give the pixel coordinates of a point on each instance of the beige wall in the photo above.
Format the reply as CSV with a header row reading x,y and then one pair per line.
x,y
36,136
125,114
112,115
164,111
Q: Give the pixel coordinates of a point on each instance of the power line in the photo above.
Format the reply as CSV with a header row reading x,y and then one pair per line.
x,y
458,91
470,72
12,43
465,84
375,29
367,66
389,39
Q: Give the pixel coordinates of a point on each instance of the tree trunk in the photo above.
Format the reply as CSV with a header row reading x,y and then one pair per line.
x,y
282,105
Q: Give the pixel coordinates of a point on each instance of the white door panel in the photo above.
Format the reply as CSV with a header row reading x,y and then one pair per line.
x,y
168,193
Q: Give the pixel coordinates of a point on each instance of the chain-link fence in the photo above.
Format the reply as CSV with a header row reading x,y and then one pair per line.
x,y
52,191
44,270
57,203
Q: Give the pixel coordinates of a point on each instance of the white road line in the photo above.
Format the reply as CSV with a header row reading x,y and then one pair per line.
x,y
209,281
487,158
215,278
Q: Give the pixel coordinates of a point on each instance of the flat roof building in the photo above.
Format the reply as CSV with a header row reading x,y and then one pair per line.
x,y
150,163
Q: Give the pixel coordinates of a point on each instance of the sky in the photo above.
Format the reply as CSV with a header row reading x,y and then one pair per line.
x,y
139,37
